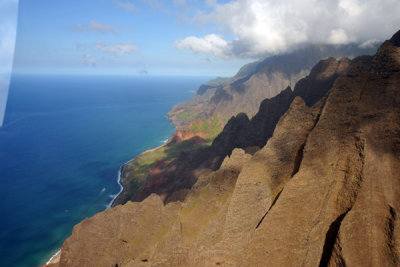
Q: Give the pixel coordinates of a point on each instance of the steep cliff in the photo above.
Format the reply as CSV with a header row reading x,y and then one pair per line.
x,y
181,172
201,119
322,191
223,98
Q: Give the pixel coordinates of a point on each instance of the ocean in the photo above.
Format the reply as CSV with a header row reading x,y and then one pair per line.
x,y
63,141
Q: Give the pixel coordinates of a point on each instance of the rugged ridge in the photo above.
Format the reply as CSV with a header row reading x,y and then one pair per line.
x,y
311,89
322,191
348,178
240,132
224,98
177,165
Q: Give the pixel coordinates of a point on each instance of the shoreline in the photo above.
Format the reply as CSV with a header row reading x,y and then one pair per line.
x,y
152,149
119,180
121,188
55,258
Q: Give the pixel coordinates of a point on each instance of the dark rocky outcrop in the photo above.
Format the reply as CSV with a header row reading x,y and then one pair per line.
x,y
395,40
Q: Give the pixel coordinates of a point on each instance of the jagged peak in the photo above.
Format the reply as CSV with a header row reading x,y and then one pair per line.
x,y
238,119
388,56
297,101
320,69
395,40
242,116
344,59
236,160
153,199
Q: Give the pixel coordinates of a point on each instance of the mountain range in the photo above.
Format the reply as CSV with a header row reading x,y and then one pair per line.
x,y
223,98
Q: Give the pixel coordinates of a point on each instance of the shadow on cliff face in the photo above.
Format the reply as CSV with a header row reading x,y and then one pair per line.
x,y
242,133
367,100
179,175
380,98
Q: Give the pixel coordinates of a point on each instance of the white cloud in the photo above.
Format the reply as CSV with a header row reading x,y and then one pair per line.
x,y
352,7
117,48
88,60
211,44
95,26
369,43
126,5
338,36
257,28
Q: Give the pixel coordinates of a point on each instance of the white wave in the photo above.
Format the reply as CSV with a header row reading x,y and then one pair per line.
x,y
52,257
120,187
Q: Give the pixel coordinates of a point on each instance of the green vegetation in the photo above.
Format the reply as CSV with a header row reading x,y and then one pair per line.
x,y
219,81
186,114
137,171
209,129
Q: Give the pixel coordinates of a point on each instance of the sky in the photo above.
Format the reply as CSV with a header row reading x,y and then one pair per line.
x,y
182,37
114,37
176,37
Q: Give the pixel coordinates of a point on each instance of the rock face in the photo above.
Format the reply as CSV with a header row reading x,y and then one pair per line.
x,y
256,132
322,191
121,234
341,207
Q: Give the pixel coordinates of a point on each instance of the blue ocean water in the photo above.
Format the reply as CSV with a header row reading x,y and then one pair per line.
x,y
61,147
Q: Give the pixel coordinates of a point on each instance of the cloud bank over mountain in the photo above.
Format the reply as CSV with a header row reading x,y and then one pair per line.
x,y
257,28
